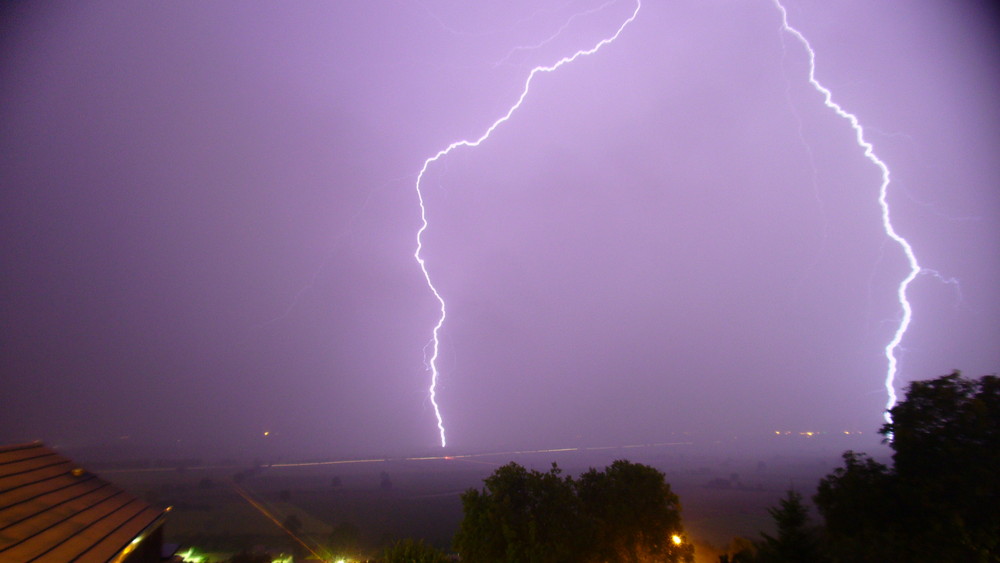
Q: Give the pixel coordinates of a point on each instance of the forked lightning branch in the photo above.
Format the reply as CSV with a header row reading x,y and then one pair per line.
x,y
890,349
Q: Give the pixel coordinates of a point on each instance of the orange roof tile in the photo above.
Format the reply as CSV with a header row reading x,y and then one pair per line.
x,y
53,510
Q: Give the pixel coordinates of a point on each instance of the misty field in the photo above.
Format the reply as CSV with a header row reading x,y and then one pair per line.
x,y
365,506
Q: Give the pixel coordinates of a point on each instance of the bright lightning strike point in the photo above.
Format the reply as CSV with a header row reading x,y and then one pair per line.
x,y
869,150
435,340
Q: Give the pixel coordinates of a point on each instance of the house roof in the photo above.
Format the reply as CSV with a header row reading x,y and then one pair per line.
x,y
53,510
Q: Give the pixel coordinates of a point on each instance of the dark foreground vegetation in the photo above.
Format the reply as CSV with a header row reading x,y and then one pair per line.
x,y
625,513
936,501
939,502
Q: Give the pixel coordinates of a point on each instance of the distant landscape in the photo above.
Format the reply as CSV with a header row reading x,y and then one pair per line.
x,y
363,505
308,273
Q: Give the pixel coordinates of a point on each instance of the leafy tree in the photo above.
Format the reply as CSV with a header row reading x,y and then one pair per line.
x,y
634,514
861,510
946,438
520,515
625,513
413,551
939,501
740,550
796,541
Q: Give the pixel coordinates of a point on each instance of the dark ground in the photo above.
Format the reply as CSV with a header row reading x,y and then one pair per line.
x,y
725,487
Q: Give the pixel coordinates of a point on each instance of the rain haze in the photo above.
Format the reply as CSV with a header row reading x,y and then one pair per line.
x,y
209,216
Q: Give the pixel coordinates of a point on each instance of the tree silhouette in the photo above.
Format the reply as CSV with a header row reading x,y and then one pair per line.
x,y
939,501
634,514
520,515
624,513
384,482
860,507
796,542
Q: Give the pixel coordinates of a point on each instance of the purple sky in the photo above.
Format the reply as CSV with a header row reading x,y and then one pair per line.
x,y
208,218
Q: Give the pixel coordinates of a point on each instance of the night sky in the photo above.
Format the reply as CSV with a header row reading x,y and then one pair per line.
x,y
208,218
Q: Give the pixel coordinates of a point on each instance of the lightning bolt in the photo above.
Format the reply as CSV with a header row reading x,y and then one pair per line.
x,y
557,33
911,258
435,341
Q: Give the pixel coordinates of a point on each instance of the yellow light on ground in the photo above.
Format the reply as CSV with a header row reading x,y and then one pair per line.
x,y
676,539
266,433
191,556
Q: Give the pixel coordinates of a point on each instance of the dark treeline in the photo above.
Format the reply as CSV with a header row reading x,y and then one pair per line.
x,y
936,502
625,513
939,502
